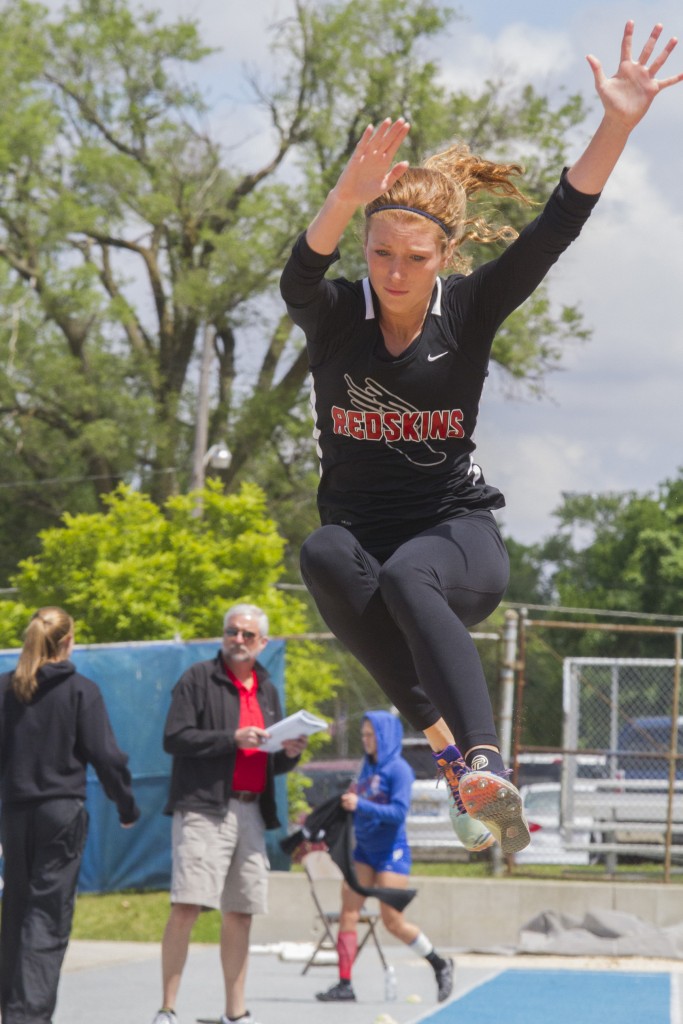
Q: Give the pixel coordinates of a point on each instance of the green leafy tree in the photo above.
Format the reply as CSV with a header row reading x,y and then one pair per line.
x,y
620,552
127,238
529,576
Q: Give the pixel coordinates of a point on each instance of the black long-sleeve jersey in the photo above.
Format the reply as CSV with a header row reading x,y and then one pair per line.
x,y
395,435
46,745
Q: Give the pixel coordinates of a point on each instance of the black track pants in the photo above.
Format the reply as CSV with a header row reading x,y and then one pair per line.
x,y
405,619
42,846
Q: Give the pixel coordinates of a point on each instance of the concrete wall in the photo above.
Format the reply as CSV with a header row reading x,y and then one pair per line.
x,y
472,913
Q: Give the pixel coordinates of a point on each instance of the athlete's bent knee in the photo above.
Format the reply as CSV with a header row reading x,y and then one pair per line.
x,y
320,551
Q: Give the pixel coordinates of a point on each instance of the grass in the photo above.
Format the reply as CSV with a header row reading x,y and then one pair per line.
x,y
141,916
133,917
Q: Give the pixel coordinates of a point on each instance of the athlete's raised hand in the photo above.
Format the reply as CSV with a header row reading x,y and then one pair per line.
x,y
369,171
627,95
626,98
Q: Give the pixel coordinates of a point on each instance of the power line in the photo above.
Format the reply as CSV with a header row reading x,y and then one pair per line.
x,y
72,479
522,606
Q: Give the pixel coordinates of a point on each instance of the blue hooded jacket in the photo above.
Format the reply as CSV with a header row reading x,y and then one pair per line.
x,y
383,788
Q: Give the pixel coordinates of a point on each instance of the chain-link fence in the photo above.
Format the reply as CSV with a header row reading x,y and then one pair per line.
x,y
603,780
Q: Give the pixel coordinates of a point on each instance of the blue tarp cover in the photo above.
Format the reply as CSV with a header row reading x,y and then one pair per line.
x,y
136,682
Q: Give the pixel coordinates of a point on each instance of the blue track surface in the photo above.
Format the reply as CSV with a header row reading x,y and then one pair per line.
x,y
562,997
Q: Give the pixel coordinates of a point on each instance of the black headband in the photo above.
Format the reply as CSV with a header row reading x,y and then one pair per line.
x,y
413,209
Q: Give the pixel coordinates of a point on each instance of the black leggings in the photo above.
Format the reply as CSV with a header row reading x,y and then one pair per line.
x,y
43,844
405,618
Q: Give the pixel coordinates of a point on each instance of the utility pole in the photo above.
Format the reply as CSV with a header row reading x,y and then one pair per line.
x,y
201,434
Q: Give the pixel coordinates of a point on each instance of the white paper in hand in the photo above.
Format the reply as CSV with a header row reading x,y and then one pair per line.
x,y
302,723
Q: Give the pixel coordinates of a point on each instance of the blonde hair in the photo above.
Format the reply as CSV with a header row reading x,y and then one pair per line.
x,y
440,188
44,636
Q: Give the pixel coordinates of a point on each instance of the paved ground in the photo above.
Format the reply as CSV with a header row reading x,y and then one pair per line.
x,y
118,983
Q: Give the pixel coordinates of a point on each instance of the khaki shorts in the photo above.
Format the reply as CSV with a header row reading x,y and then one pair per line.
x,y
220,862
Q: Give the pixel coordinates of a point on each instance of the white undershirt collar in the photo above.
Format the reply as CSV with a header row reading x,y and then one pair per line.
x,y
370,309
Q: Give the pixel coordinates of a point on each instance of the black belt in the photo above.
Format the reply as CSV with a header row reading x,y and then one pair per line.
x,y
244,796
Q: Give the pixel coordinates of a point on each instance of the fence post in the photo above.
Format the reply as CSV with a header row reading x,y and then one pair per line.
x,y
507,700
673,759
507,683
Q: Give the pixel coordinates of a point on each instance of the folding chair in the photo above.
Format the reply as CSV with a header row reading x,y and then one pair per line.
x,y
321,871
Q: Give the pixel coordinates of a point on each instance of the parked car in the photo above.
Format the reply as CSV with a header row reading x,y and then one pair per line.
x,y
329,778
550,844
648,734
418,754
428,825
540,767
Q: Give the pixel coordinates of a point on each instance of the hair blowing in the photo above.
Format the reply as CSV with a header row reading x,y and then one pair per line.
x,y
43,638
442,186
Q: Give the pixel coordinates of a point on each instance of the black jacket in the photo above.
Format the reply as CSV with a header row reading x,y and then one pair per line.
x,y
200,734
45,745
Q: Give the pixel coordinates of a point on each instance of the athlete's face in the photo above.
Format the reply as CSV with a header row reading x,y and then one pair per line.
x,y
367,735
404,258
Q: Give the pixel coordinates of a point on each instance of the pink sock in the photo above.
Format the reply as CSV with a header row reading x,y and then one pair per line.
x,y
347,944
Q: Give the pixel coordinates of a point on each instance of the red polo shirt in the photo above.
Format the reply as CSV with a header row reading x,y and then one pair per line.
x,y
250,765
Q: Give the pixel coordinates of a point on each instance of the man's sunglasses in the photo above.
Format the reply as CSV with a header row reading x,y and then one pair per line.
x,y
246,633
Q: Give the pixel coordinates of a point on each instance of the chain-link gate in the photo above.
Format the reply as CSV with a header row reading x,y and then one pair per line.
x,y
615,792
621,711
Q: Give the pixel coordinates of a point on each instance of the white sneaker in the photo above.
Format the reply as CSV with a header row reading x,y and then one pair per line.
x,y
473,834
165,1017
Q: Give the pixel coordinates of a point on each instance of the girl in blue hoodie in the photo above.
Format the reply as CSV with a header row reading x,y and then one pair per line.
x,y
379,801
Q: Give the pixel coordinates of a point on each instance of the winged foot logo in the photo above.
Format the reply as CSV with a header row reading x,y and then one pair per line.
x,y
378,414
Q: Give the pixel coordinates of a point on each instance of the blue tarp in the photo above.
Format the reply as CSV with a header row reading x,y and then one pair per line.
x,y
136,681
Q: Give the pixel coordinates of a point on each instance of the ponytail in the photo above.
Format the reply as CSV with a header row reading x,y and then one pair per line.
x,y
44,636
440,188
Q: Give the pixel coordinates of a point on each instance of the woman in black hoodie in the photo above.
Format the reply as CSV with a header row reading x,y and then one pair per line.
x,y
53,723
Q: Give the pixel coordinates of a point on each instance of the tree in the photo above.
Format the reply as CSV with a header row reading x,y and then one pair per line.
x,y
125,233
619,551
140,572
529,583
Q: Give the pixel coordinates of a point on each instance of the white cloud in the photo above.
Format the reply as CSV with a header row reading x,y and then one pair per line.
x,y
532,469
519,53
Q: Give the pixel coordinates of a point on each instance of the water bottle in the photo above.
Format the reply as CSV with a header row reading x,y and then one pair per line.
x,y
389,984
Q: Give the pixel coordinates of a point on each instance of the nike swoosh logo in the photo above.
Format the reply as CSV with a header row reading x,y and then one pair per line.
x,y
432,359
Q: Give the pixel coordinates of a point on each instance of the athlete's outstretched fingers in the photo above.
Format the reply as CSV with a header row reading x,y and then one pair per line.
x,y
627,42
646,52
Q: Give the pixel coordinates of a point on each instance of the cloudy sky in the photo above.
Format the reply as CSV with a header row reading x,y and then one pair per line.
x,y
612,419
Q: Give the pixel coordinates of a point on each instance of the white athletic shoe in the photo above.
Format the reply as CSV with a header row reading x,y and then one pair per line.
x,y
473,834
496,803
